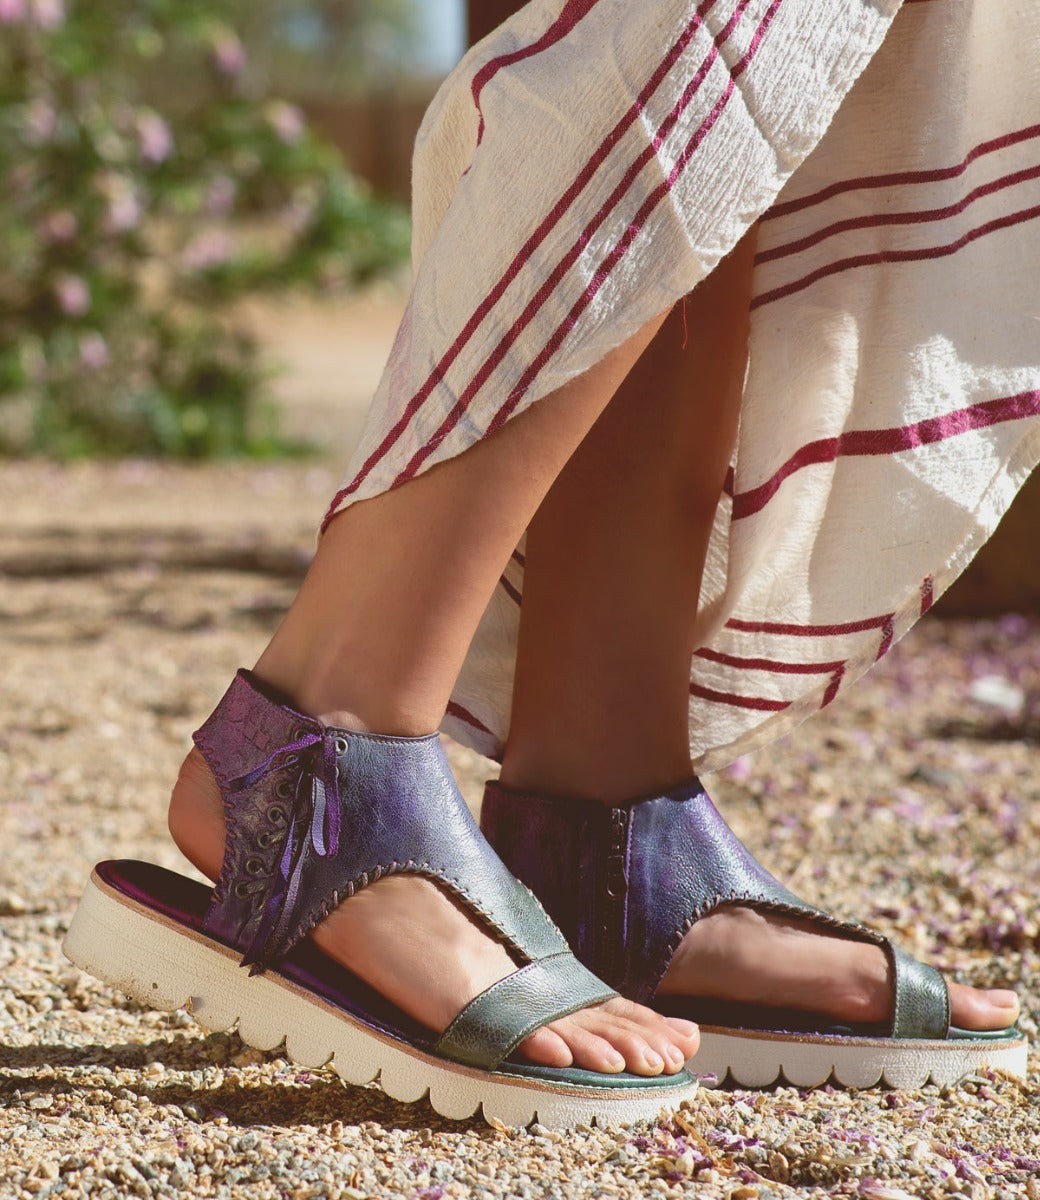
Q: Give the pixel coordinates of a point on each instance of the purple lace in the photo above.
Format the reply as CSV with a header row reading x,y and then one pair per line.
x,y
315,806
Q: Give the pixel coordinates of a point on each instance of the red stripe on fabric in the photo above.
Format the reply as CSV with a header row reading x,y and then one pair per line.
x,y
525,253
859,443
461,714
904,178
757,703
781,629
927,595
768,664
831,694
574,11
616,255
882,257
879,220
888,636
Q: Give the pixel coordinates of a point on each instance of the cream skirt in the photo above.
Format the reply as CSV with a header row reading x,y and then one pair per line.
x,y
592,160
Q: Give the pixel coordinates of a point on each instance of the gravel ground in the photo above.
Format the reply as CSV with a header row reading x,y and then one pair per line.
x,y
128,596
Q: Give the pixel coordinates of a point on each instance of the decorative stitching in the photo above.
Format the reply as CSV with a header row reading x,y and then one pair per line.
x,y
759,903
315,916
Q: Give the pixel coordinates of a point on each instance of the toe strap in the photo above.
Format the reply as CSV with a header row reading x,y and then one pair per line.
x,y
491,1026
922,999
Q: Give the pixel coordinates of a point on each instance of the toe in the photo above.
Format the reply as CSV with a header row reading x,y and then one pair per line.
x,y
612,1037
982,1009
546,1048
674,1039
590,1049
639,1052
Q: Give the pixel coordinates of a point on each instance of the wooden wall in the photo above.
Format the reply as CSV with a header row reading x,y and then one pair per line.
x,y
484,15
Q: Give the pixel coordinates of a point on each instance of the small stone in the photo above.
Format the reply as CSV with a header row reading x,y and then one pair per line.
x,y
778,1168
12,905
882,1191
995,691
249,1058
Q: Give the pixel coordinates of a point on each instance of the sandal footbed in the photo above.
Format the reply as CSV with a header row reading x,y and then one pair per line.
x,y
765,1018
184,902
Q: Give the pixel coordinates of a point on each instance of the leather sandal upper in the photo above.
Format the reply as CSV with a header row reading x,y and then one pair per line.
x,y
315,814
626,883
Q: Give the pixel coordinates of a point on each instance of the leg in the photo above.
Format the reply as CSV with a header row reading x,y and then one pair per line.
x,y
374,641
619,545
613,571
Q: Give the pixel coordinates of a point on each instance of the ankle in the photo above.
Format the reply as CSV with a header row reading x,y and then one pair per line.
x,y
610,780
344,699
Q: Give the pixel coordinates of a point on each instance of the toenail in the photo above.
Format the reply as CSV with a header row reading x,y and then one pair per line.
x,y
615,1061
653,1060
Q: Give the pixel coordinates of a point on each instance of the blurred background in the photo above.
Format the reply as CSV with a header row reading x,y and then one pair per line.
x,y
204,231
165,162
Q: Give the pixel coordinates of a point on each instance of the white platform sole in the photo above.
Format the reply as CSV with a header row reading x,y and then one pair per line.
x,y
167,967
754,1060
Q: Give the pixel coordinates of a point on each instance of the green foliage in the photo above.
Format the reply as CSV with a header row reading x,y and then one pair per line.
x,y
146,185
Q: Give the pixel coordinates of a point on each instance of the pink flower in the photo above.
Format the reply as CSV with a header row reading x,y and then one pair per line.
x,y
93,351
210,249
124,206
286,120
41,121
58,227
154,136
48,14
11,11
73,295
229,54
220,196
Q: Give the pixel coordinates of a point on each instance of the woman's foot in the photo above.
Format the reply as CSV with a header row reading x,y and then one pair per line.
x,y
674,854
441,959
758,958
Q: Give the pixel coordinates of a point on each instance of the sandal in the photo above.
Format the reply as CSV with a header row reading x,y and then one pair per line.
x,y
625,910
313,816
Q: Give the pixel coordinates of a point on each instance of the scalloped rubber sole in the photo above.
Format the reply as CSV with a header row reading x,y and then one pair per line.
x,y
757,1060
168,967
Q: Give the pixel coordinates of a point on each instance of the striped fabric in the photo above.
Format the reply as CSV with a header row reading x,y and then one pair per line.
x,y
591,161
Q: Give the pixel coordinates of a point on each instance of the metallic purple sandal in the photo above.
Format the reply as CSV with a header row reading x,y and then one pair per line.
x,y
313,816
626,883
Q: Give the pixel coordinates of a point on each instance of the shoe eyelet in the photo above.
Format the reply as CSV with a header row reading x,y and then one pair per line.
x,y
284,789
242,889
300,732
256,866
264,839
341,745
276,814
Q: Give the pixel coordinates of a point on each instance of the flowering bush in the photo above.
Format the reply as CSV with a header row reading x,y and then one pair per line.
x,y
144,185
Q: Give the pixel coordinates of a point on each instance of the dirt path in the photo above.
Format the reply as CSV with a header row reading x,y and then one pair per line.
x,y
128,596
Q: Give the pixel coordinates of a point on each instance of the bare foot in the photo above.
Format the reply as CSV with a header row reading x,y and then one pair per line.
x,y
757,958
441,959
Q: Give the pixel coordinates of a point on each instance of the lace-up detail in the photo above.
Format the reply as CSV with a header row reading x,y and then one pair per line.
x,y
314,815
314,822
